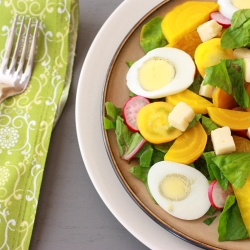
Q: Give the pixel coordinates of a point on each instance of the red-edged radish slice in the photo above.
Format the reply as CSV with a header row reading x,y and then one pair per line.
x,y
220,19
217,195
131,109
132,154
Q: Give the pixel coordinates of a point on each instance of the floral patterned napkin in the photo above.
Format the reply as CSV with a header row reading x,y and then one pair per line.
x,y
27,119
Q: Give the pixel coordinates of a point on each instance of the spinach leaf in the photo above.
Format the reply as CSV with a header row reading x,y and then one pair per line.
x,y
112,110
210,220
148,156
200,165
130,63
238,34
108,124
194,121
151,36
235,167
211,211
208,124
195,86
231,225
229,75
164,147
140,172
123,135
214,170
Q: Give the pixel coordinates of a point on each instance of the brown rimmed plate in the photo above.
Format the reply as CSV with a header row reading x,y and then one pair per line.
x,y
115,90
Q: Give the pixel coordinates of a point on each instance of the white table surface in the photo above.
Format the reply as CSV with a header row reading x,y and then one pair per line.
x,y
71,215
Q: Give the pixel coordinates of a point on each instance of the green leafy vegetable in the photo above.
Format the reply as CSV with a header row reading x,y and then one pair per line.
x,y
148,156
140,172
235,167
108,124
123,135
211,211
195,86
164,147
231,225
214,170
210,220
208,124
151,36
200,164
112,110
194,121
130,63
229,75
238,35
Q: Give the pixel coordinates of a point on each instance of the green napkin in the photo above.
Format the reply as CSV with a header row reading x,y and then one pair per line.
x,y
27,120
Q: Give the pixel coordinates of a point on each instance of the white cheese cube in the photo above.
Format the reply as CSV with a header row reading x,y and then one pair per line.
x,y
247,69
181,116
206,90
209,30
222,140
241,53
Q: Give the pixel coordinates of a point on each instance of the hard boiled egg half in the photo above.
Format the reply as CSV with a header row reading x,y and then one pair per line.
x,y
229,7
179,189
161,72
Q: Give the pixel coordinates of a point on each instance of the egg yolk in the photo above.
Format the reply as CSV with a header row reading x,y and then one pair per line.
x,y
175,187
156,73
241,4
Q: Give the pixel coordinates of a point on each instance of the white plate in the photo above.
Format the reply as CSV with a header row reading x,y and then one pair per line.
x,y
88,124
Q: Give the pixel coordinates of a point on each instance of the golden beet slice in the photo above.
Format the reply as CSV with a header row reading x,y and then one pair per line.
x,y
196,102
186,18
234,119
189,146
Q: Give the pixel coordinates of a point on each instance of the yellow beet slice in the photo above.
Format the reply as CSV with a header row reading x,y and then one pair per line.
x,y
243,199
189,146
188,43
221,99
197,102
153,124
234,119
186,18
210,53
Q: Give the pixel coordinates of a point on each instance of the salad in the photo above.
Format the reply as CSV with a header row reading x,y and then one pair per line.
x,y
187,119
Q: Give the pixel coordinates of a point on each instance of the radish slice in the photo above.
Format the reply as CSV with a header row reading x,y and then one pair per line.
x,y
131,109
220,19
217,195
130,155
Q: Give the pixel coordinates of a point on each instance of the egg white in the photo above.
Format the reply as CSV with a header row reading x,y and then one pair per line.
x,y
184,72
192,207
226,8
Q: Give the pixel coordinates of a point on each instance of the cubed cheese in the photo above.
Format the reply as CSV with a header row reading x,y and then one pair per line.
x,y
181,116
222,140
209,30
241,53
206,90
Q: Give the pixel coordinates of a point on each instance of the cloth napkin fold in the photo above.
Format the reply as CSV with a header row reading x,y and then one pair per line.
x,y
27,119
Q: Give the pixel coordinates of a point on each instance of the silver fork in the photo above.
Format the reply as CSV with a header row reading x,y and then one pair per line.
x,y
18,61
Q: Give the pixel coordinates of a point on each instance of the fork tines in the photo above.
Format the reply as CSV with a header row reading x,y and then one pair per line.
x,y
19,49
